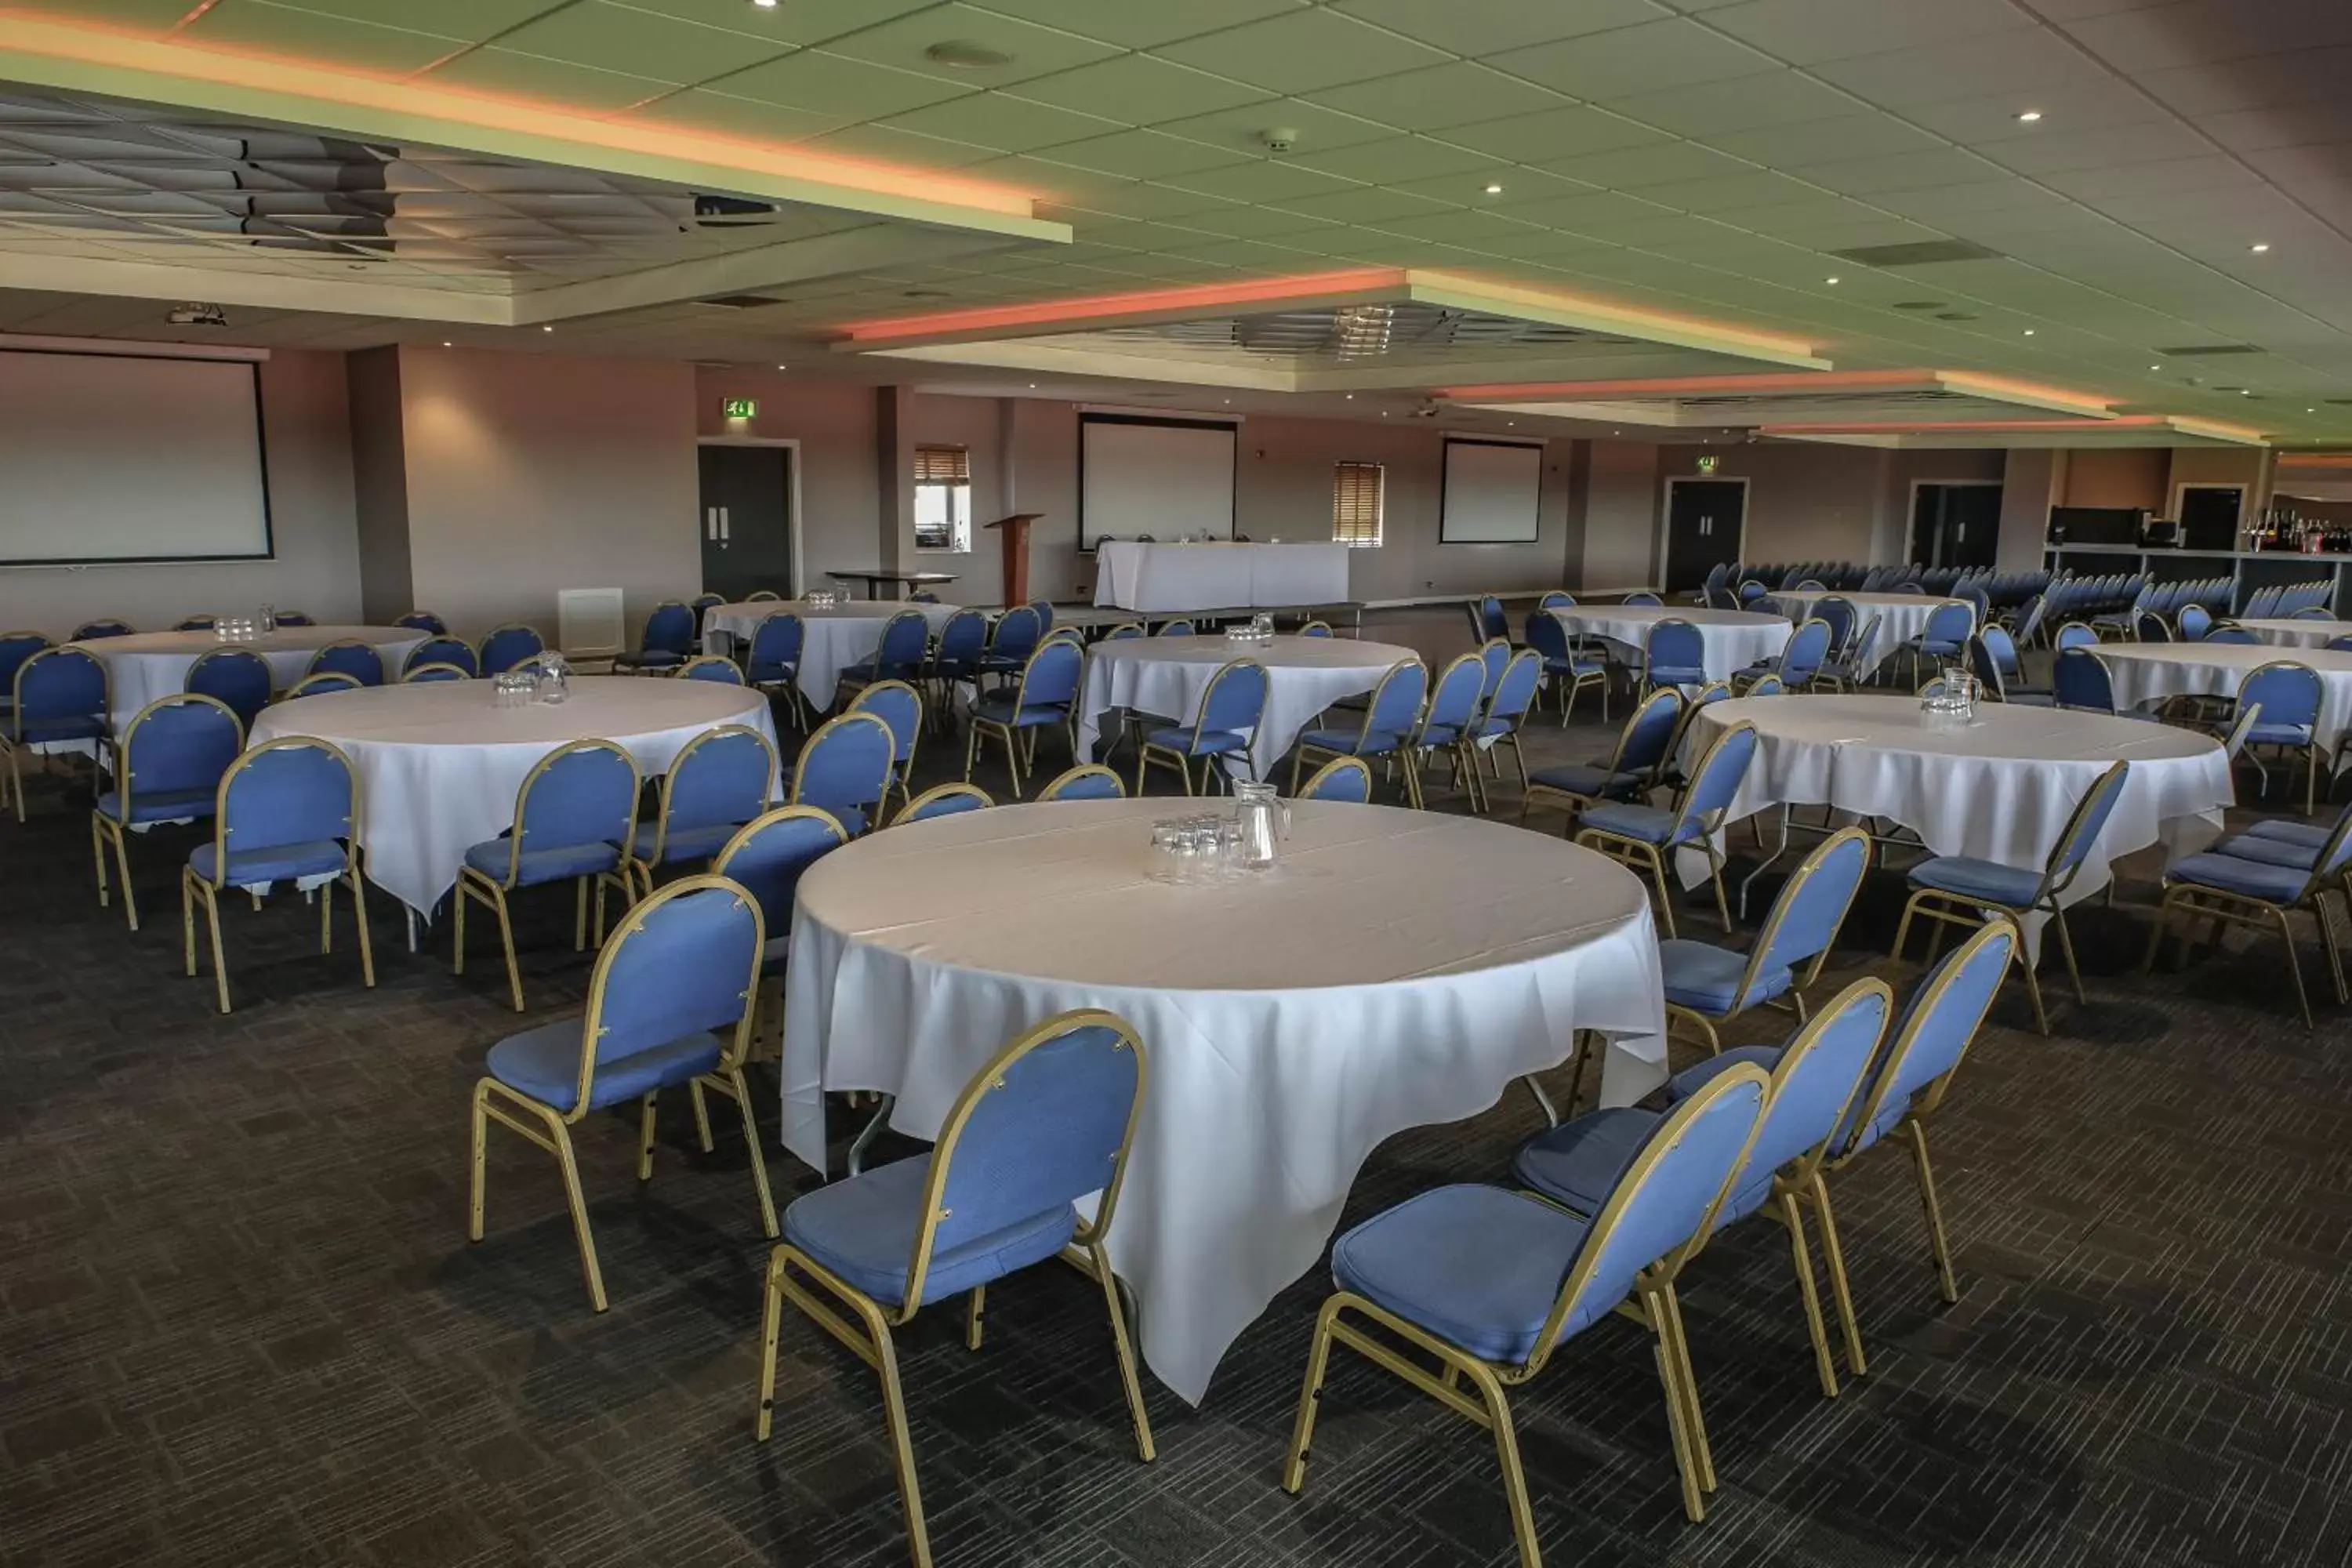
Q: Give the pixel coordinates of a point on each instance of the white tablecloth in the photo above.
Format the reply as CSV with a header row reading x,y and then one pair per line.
x,y
1734,639
1168,676
1160,578
1901,617
1398,969
2000,789
439,765
838,635
2149,672
149,664
2292,633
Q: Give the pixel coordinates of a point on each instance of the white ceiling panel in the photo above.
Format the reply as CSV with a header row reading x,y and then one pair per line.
x,y
1299,51
1489,26
1629,60
1435,98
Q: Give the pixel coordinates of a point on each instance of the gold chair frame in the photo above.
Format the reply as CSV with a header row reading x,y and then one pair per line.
x,y
1303,752
2220,907
942,792
882,785
1337,765
1806,870
15,783
1576,805
1169,757
479,887
640,871
901,775
1019,738
104,829
1083,771
1636,852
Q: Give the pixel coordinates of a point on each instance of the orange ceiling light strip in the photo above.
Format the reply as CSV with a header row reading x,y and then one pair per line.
x,y
338,87
1481,293
1079,312
1796,382
1988,427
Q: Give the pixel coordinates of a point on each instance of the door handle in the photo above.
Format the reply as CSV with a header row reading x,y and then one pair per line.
x,y
725,532
711,523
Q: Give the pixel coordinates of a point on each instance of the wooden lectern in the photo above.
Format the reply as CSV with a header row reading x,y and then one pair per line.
x,y
1014,533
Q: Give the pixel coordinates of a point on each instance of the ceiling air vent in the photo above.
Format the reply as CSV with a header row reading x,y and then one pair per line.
x,y
2195,351
743,302
1954,316
1918,253
1916,305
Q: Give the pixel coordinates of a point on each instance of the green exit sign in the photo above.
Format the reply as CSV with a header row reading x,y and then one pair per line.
x,y
1706,463
740,408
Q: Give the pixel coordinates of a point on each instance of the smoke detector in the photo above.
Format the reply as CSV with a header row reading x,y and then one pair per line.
x,y
1279,138
194,314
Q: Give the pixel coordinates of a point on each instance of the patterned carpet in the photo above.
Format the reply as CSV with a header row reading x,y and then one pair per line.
x,y
239,1323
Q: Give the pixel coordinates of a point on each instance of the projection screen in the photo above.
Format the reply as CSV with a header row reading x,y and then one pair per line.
x,y
1166,478
119,458
1490,493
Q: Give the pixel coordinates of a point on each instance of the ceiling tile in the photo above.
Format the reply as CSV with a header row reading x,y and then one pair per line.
x,y
582,88
798,22
2181,176
1553,133
1143,154
1259,180
2285,125
1137,27
1252,223
1900,171
2204,32
1993,120
697,109
820,81
1485,26
1731,192
899,144
615,37
1964,68
1635,167
331,40
1591,212
1361,203
1036,49
148,17
1655,55
2253,83
473,20
1300,51
2167,139
1742,104
1241,130
1827,140
1138,90
1807,32
1001,122
1470,229
1397,159
1438,97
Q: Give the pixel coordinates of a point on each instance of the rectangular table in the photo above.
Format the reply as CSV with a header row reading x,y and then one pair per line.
x,y
1187,578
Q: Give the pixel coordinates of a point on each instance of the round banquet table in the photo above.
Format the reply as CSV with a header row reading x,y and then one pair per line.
x,y
2292,633
2150,672
1734,639
148,665
1169,677
1397,969
1901,617
838,634
439,765
1998,788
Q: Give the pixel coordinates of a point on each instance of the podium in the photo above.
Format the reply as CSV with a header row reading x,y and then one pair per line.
x,y
1013,532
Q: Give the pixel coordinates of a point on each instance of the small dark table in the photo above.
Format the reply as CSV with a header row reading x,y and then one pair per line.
x,y
875,578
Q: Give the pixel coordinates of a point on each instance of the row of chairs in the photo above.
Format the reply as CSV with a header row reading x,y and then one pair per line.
x,y
2288,599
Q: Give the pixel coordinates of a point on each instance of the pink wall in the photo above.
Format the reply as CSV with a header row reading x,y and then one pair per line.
x,y
2124,476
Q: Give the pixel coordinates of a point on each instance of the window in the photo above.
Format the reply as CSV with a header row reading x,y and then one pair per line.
x,y
942,498
1356,504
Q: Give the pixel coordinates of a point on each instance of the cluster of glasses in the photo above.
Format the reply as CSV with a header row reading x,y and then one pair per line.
x,y
1194,850
1954,700
514,689
824,598
1257,629
250,628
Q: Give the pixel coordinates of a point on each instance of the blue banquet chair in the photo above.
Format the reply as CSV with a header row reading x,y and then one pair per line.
x,y
670,1006
1049,1121
61,697
901,656
237,676
1557,599
844,768
1801,658
321,682
950,800
719,781
2079,680
666,642
1961,890
1707,985
1088,781
442,649
1817,1077
1488,1283
509,645
1569,670
1644,746
2193,621
348,657
1315,628
1342,778
767,857
292,618
1508,703
1010,642
1674,654
1645,600
1944,637
433,674
1387,719
901,706
573,816
1445,724
2075,634
293,807
16,647
2289,695
955,658
1045,694
168,764
2257,880
109,627
773,659
195,623
1647,834
1181,626
711,666
423,621
1231,707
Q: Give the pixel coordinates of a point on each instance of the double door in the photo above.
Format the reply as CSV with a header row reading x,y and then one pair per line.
x,y
1705,518
747,520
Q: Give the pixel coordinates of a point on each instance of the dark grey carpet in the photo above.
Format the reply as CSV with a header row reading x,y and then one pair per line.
x,y
239,1323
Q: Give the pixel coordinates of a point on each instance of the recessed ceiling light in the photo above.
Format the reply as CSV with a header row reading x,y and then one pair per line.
x,y
783,367
962,54
547,329
765,4
2029,332
445,342
2156,367
2311,411
1510,424
1033,387
1493,190
2245,392
2028,116
2259,247
1351,397
1831,281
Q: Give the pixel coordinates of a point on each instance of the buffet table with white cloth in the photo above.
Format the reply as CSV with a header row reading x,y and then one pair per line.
x,y
148,665
2289,632
1901,617
837,635
1179,579
439,763
2000,787
1397,969
1734,639
2150,672
1169,677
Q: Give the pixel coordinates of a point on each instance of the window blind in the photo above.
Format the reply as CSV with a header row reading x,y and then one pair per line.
x,y
1356,504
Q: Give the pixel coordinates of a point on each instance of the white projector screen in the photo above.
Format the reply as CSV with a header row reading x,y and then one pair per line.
x,y
1490,493
1166,478
117,457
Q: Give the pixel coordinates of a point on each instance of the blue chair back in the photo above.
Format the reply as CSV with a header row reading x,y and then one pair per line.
x,y
1801,657
356,659
2002,652
709,667
1128,629
1915,1070
1673,644
106,627
846,764
58,683
2084,826
1044,610
776,644
1017,634
2194,621
685,962
905,638
1089,781
442,650
292,618
509,645
16,647
1176,629
1493,656
895,704
1050,678
963,638
582,792
2075,634
2079,680
424,621
945,800
1236,699
1804,920
1491,618
1396,700
2238,636
2289,693
721,779
291,791
1816,1081
1557,600
1045,1123
182,741
429,674
1547,637
195,623
1664,1202
1648,737
768,853
1515,693
236,676
669,629
2149,627
1948,624
1838,615
1643,600
1342,778
1717,777
1454,702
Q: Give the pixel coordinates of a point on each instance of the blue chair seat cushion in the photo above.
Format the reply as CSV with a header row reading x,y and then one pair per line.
x,y
1215,743
559,863
650,658
1706,978
271,863
2309,835
862,1230
1677,675
545,1063
852,818
1970,877
1002,710
772,671
1577,1162
1490,728
865,674
74,727
1478,1267
2248,879
1691,1079
1590,780
1577,667
1649,823
2269,851
1440,734
683,843
1352,742
158,805
2279,735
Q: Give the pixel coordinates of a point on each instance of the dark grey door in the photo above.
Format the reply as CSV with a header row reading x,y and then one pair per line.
x,y
747,521
1703,520
1954,525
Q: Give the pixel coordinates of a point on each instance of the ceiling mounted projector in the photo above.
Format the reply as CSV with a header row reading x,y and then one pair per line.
x,y
197,315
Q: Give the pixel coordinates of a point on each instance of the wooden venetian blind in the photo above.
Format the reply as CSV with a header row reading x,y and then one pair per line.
x,y
942,466
1356,504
